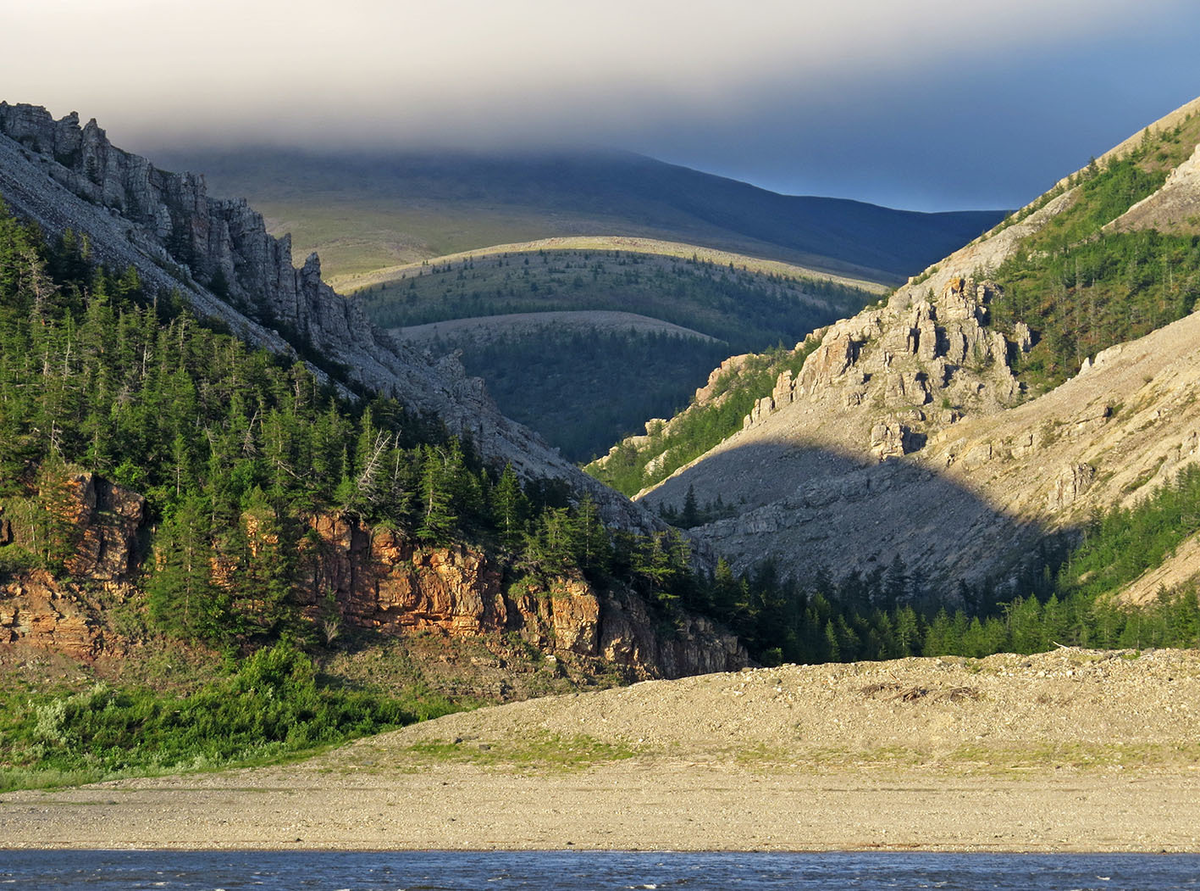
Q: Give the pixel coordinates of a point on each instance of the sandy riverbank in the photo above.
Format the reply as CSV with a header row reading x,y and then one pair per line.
x,y
1065,751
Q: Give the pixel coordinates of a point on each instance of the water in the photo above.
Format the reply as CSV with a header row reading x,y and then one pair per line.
x,y
442,871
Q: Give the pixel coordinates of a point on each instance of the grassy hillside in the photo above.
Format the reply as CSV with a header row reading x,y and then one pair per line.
x,y
584,390
1082,285
365,212
738,299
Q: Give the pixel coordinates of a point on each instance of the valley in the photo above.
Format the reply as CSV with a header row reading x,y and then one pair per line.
x,y
584,385
928,406
229,491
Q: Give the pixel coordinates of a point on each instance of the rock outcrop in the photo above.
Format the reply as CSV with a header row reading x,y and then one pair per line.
x,y
39,612
907,435
105,522
380,579
355,575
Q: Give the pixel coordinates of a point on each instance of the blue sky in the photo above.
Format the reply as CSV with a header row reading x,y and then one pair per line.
x,y
924,104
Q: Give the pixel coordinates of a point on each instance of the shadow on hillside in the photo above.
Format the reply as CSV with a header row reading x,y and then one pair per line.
x,y
815,511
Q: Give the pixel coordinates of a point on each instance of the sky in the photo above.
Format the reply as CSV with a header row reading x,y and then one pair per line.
x,y
920,104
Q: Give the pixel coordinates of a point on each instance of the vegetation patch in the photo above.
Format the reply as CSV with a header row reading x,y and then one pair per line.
x,y
734,302
631,467
274,706
584,389
1079,756
1081,287
536,752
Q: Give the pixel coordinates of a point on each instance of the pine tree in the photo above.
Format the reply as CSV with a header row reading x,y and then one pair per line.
x,y
181,596
691,513
437,517
510,507
589,538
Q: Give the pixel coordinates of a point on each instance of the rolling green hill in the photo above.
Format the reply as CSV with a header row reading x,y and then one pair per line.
x,y
592,372
367,211
425,237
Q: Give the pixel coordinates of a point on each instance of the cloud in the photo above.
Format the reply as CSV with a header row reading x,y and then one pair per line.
x,y
462,69
912,103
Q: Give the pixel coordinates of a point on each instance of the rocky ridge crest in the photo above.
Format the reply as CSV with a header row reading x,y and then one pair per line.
x,y
907,435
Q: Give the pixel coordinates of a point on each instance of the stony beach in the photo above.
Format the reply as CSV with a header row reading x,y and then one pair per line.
x,y
1067,751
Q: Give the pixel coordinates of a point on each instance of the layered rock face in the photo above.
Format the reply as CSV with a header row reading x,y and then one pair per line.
x,y
39,612
369,578
218,255
106,524
907,435
380,579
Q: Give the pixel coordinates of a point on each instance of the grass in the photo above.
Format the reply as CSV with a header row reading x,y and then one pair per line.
x,y
537,752
362,211
1078,756
971,759
356,238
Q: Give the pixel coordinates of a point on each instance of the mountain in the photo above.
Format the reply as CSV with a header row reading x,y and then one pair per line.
x,y
218,256
238,521
584,338
969,428
463,220
371,211
227,494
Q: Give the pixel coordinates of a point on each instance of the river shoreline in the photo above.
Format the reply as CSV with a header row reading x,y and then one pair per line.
x,y
1072,751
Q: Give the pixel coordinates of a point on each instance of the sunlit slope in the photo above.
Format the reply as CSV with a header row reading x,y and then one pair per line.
x,y
1086,297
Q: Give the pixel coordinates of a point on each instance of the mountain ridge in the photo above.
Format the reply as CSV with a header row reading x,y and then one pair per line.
x,y
839,459
230,250
581,193
291,508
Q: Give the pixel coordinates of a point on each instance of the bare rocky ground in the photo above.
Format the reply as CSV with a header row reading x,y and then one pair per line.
x,y
1070,750
880,449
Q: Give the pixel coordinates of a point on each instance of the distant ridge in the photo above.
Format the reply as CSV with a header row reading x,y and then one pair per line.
x,y
218,256
410,205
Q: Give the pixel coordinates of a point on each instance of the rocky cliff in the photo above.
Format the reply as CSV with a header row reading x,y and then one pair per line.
x,y
218,255
354,576
906,434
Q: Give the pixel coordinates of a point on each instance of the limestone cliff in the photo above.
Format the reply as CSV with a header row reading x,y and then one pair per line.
x,y
907,434
218,255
